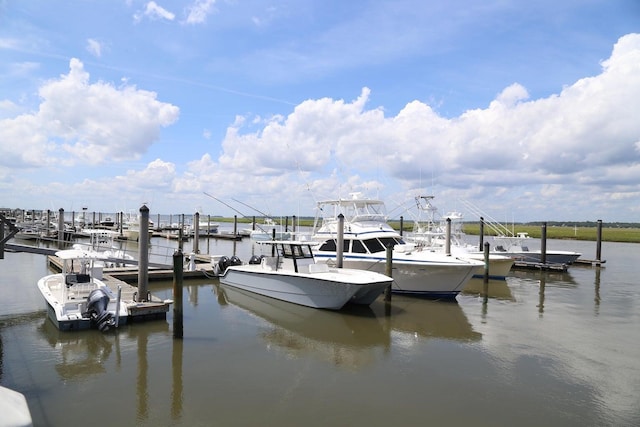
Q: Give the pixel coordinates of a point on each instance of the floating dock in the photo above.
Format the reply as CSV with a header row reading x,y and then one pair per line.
x,y
590,262
529,265
151,307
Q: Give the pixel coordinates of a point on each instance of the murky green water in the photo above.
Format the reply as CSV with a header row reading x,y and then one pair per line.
x,y
552,349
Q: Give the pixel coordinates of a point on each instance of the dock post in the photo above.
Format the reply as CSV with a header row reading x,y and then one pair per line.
x,y
143,254
340,241
481,233
388,271
118,299
196,233
447,242
485,277
286,224
543,243
599,241
177,294
401,224
48,228
2,236
60,228
293,225
181,232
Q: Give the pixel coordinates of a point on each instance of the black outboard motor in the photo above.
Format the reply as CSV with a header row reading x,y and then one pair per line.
x,y
256,259
97,303
223,263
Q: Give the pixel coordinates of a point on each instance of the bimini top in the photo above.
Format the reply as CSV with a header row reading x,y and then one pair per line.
x,y
77,254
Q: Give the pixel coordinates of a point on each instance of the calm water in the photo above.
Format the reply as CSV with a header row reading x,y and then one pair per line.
x,y
544,349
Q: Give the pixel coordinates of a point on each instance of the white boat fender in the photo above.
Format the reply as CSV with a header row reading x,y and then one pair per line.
x,y
192,261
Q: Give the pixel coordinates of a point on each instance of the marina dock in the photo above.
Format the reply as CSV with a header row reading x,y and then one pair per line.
x,y
528,265
151,307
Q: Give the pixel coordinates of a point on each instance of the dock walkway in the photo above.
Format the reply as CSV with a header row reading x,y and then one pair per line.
x,y
140,309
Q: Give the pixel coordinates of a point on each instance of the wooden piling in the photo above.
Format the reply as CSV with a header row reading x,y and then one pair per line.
x,y
2,236
481,233
485,279
60,228
401,224
486,262
196,233
543,243
48,229
177,294
388,271
181,232
143,254
447,242
599,241
340,241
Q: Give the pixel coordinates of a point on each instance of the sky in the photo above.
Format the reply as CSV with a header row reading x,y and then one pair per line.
x,y
528,110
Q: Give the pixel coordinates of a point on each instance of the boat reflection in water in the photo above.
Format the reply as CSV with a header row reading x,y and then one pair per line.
x,y
497,289
87,354
424,318
82,354
562,279
351,338
356,336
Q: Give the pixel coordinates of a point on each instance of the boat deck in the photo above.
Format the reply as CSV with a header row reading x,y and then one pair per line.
x,y
153,308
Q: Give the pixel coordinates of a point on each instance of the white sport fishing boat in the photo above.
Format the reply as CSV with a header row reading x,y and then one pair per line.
x,y
517,247
291,274
77,299
431,232
416,270
517,244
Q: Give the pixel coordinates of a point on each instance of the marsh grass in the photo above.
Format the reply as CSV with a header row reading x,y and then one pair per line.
x,y
609,234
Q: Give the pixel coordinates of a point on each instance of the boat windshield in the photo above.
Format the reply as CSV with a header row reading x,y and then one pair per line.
x,y
362,246
296,251
353,210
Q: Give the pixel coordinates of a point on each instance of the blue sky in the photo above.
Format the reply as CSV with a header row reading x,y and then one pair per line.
x,y
528,110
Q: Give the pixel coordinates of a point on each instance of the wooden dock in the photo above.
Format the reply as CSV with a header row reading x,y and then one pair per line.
x,y
528,265
151,307
590,262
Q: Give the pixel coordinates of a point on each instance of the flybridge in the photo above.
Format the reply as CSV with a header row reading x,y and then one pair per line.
x,y
354,209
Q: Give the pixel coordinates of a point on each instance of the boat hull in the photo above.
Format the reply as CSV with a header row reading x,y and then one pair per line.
x,y
499,265
65,307
415,277
327,290
552,257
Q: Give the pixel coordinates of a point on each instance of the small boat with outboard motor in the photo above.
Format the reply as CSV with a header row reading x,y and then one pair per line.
x,y
77,298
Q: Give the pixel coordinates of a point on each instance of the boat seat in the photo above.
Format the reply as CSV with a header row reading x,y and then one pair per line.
x,y
72,279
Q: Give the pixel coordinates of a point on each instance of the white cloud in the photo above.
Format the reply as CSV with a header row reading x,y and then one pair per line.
x,y
78,121
154,12
94,47
586,134
197,12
